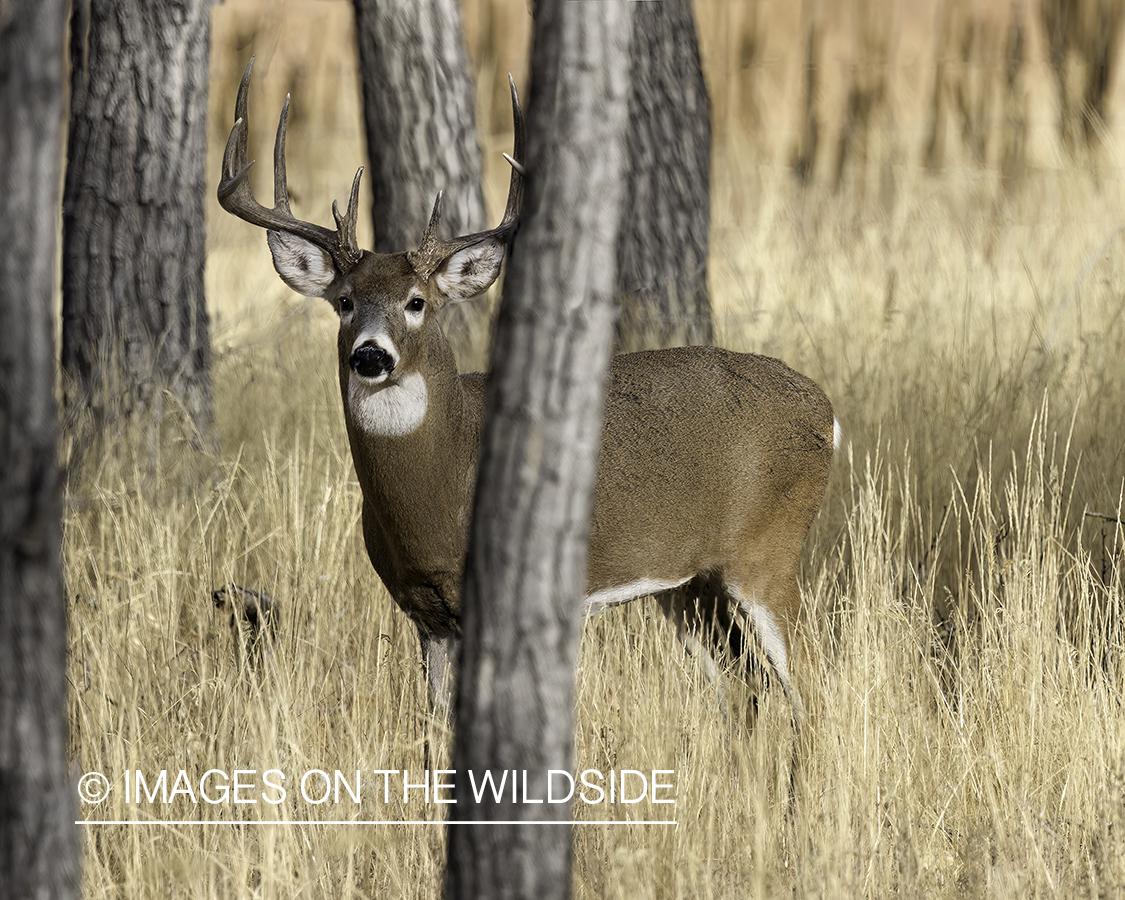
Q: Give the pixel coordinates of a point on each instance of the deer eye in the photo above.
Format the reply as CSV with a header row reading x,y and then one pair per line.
x,y
346,305
416,304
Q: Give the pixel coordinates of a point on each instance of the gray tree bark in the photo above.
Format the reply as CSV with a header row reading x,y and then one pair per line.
x,y
134,314
526,563
666,218
38,838
419,111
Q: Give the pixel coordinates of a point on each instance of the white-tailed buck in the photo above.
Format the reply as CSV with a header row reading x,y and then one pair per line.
x,y
713,464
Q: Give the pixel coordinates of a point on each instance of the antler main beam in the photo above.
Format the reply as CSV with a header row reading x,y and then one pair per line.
x,y
432,252
237,197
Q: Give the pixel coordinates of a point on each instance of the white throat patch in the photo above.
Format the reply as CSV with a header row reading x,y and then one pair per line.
x,y
388,410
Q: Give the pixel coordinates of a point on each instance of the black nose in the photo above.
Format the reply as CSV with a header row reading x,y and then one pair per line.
x,y
371,361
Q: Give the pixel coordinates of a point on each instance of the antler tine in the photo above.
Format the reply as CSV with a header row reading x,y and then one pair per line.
x,y
515,186
430,234
431,252
237,197
235,166
346,226
280,180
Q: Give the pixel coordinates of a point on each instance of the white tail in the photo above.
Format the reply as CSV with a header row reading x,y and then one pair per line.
x,y
713,463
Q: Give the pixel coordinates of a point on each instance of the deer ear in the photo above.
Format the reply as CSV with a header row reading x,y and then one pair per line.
x,y
302,265
470,271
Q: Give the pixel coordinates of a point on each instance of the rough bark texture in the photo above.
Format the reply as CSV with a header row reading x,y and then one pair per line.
x,y
527,555
418,107
38,838
666,218
420,117
134,317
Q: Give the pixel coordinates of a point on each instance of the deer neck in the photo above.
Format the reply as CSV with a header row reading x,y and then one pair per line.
x,y
414,445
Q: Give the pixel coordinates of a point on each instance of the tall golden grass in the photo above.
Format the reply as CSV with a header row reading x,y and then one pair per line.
x,y
951,271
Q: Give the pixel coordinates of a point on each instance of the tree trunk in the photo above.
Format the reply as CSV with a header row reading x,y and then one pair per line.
x,y
419,108
666,218
527,555
134,314
38,838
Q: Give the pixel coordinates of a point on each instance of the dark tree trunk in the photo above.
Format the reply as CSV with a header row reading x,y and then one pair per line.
x,y
527,556
666,217
1090,33
134,314
38,838
420,116
803,157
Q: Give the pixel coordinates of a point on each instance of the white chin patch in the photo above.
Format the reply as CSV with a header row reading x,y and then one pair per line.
x,y
387,409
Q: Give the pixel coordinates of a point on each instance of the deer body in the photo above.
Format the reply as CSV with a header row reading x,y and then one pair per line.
x,y
668,507
712,467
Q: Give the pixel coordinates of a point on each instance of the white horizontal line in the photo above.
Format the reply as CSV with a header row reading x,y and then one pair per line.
x,y
357,822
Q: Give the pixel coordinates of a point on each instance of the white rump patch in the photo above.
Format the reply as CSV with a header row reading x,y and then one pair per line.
x,y
388,408
836,433
600,601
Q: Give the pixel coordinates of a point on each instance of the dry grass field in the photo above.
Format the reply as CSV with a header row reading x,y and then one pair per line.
x,y
951,269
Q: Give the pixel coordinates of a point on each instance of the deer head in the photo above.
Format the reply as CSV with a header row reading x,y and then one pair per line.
x,y
388,304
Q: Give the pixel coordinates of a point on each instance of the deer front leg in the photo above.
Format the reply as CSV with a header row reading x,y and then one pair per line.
x,y
439,661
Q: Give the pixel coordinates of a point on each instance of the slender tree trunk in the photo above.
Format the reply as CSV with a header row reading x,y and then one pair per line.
x,y
527,556
666,217
134,315
419,109
38,838
803,157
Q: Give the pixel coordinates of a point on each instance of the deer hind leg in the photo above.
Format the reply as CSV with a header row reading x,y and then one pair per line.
x,y
703,612
770,605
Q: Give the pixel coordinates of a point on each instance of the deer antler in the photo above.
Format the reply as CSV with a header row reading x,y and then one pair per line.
x,y
236,196
431,253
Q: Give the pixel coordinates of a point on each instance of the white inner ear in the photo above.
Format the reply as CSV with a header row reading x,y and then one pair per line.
x,y
303,266
470,271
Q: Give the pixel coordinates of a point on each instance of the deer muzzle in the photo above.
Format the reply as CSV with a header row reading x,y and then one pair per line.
x,y
371,361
